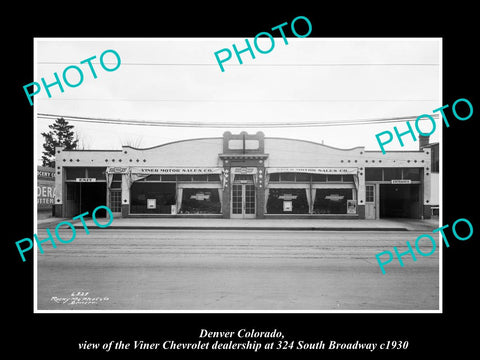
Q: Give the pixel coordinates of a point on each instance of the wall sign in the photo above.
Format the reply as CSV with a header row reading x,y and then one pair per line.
x,y
287,205
201,196
334,197
117,170
288,197
45,196
244,170
85,180
45,187
351,206
45,173
401,181
324,170
174,171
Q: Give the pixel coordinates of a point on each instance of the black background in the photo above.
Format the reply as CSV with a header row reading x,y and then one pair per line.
x,y
59,334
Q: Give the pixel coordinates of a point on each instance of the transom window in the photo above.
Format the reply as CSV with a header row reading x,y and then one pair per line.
x,y
388,174
305,177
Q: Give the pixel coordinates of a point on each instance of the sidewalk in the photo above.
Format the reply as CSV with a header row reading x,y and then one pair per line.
x,y
255,224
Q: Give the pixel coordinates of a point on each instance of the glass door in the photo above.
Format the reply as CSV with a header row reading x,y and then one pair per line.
x,y
243,201
370,207
116,201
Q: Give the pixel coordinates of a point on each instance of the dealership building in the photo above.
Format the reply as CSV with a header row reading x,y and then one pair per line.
x,y
245,176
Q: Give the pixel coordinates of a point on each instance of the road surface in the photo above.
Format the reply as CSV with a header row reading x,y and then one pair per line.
x,y
234,270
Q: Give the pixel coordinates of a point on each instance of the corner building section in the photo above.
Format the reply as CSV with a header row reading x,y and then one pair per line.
x,y
244,176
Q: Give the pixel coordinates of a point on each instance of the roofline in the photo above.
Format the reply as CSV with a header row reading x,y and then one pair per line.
x,y
86,150
395,151
430,144
316,143
221,138
273,137
172,142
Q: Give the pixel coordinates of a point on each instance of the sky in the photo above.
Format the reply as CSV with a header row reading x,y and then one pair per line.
x,y
177,80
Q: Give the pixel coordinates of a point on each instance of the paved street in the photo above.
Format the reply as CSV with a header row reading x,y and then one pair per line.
x,y
152,269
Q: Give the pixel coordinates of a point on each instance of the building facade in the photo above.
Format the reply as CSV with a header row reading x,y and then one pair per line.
x,y
434,149
45,191
244,176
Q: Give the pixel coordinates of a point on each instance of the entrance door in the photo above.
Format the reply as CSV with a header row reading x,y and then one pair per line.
x,y
72,205
116,201
83,197
400,201
370,202
243,201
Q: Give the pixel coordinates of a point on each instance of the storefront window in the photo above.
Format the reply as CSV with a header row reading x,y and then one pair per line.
x,y
116,182
287,201
334,178
200,178
411,174
213,178
243,177
152,198
305,177
287,177
275,177
200,201
319,178
96,172
302,177
184,177
388,174
373,174
331,201
392,174
152,178
75,172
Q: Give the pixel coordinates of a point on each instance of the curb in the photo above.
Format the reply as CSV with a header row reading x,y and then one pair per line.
x,y
292,228
78,225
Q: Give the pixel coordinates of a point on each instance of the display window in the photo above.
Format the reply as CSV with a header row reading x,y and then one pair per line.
x,y
287,201
332,201
200,201
162,193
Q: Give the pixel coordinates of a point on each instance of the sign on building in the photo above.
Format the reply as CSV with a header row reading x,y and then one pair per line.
x,y
401,181
45,187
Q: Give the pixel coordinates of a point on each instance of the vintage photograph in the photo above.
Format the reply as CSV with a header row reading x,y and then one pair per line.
x,y
212,175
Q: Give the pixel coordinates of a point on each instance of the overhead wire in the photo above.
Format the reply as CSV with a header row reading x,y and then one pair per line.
x,y
225,124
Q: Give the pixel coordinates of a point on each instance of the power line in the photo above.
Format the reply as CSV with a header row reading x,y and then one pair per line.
x,y
246,64
227,124
238,100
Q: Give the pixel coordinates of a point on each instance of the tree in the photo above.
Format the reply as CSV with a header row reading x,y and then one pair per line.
x,y
132,142
61,134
